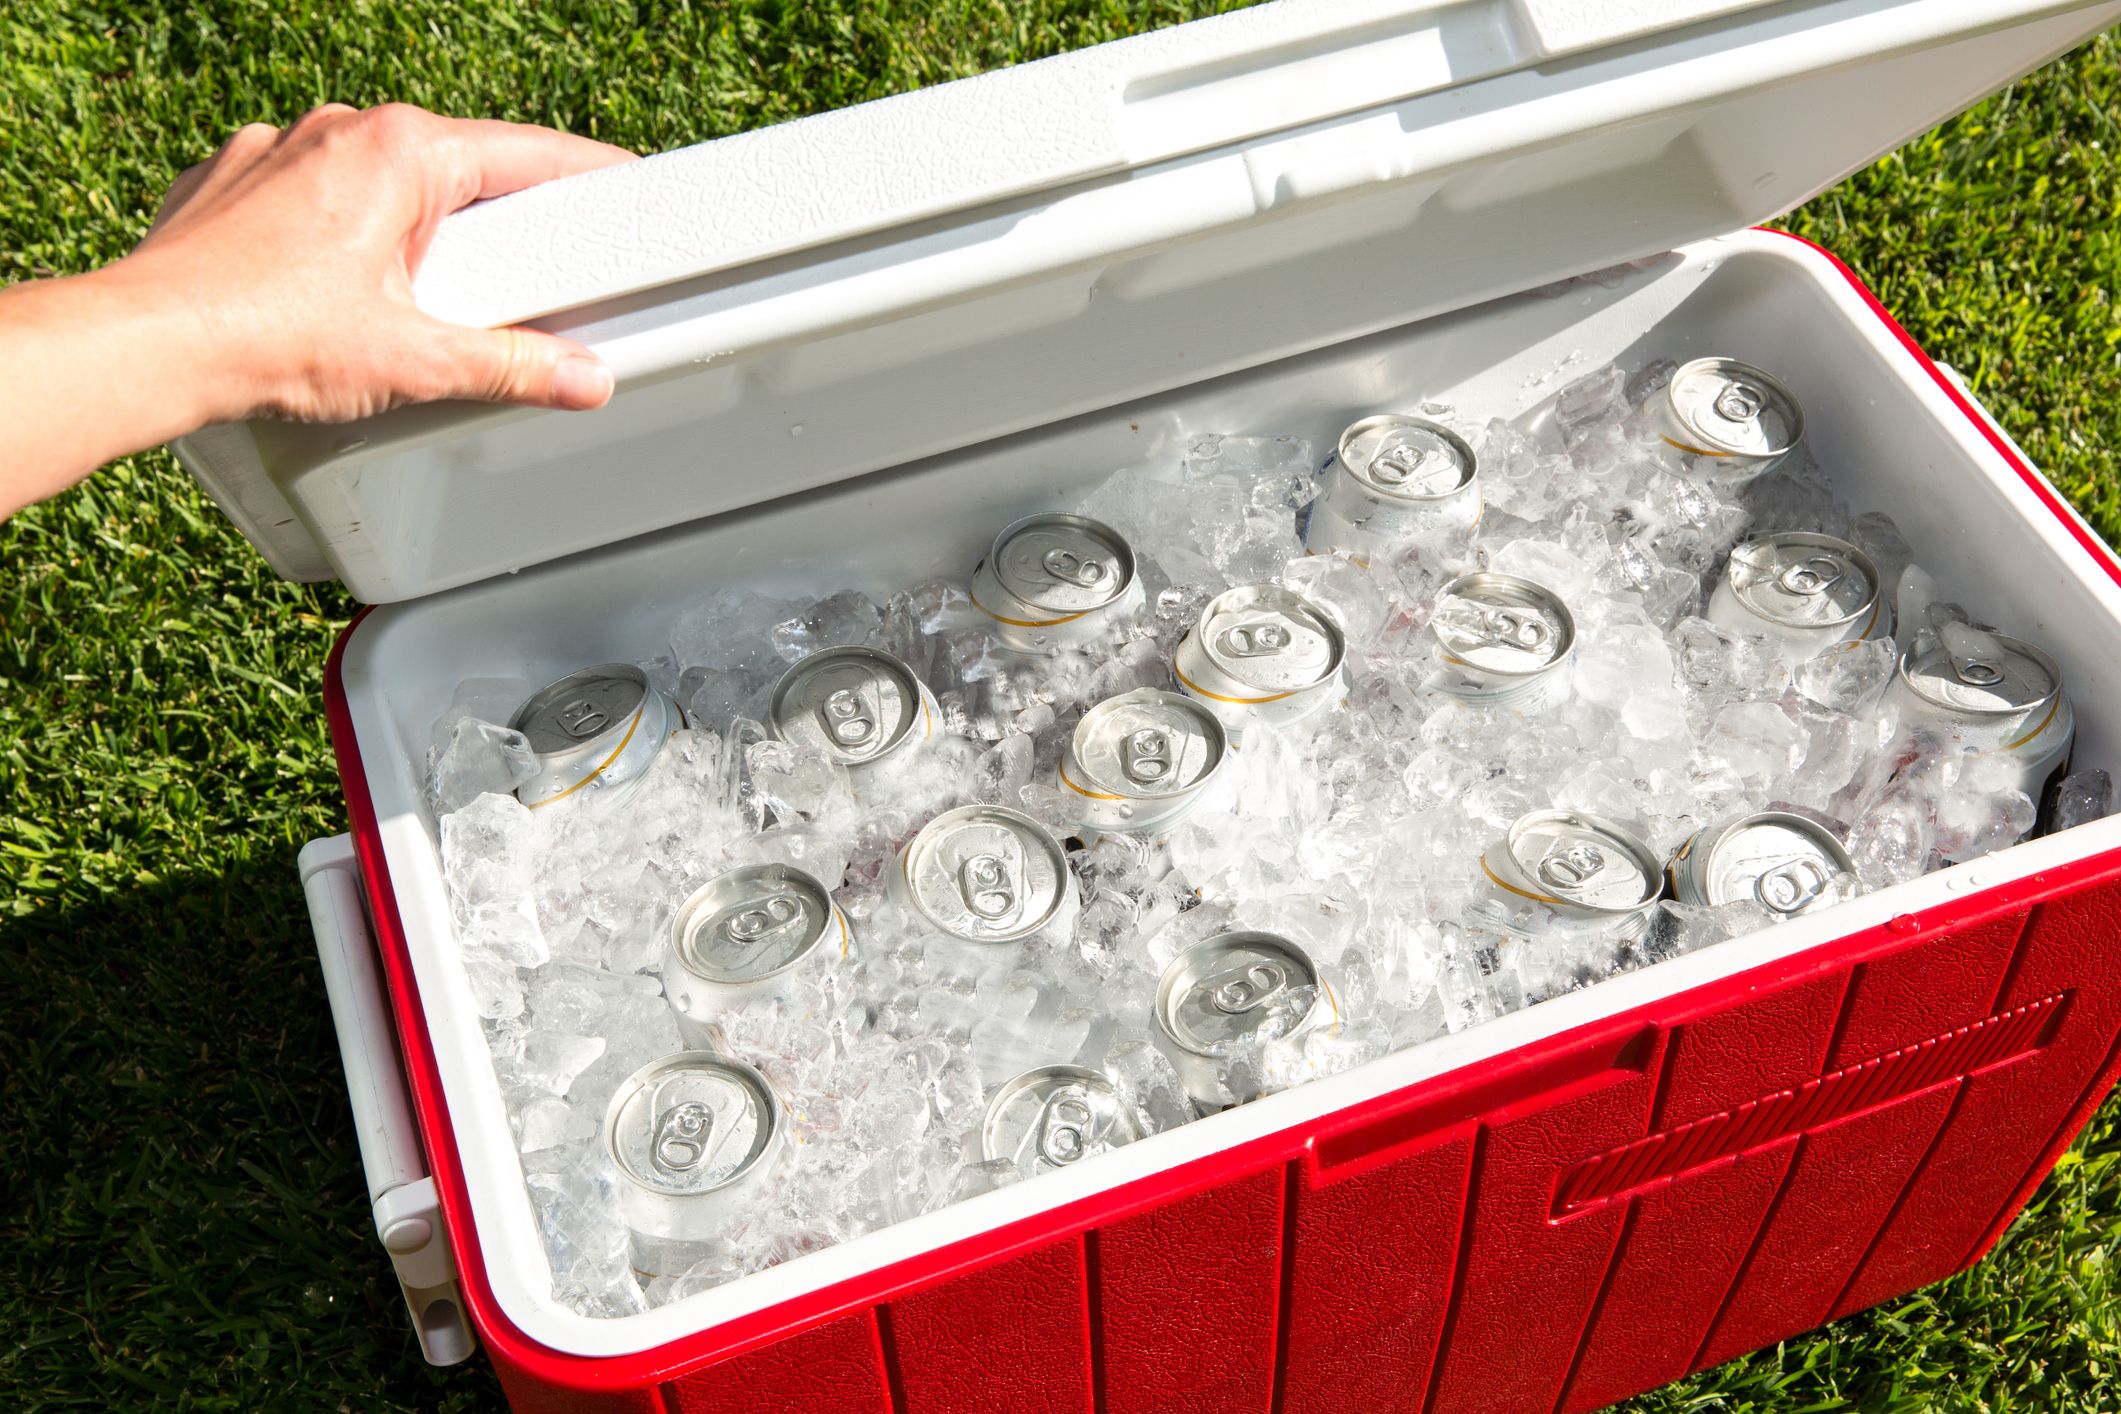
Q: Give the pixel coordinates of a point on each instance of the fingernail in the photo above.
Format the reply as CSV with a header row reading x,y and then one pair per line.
x,y
580,382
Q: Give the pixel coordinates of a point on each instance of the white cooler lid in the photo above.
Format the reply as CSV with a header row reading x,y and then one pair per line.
x,y
805,303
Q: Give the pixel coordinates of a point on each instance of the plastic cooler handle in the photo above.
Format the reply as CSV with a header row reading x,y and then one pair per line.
x,y
407,1211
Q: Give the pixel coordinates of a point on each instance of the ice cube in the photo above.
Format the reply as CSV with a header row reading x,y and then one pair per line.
x,y
1621,663
552,1059
1849,677
474,757
2082,797
846,619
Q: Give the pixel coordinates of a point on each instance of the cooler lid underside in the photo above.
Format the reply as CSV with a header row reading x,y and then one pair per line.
x,y
797,305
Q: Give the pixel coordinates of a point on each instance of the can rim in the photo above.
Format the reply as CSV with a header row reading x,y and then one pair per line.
x,y
1468,459
1774,385
2052,697
1802,824
1176,971
1016,818
776,1127
1481,578
1638,849
1016,1084
916,694
1818,540
1176,700
681,935
1118,542
1283,597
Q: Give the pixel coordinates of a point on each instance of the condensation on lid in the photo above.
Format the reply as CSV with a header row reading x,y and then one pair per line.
x,y
1226,988
1585,860
1407,458
1149,743
1801,580
1499,623
853,703
1785,863
692,1123
581,708
1981,674
1062,563
986,873
1733,408
753,923
1271,638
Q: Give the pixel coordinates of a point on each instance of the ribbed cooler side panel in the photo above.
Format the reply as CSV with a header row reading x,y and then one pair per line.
x,y
1528,1284
1557,1230
2013,1121
835,1368
1686,1240
1012,1338
1188,1302
1372,1268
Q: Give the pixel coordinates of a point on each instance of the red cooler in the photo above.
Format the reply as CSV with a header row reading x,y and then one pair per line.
x,y
851,346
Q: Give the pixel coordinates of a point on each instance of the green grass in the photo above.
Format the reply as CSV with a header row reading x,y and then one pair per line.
x,y
181,1211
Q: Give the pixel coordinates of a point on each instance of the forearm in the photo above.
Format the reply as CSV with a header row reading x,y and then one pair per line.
x,y
93,367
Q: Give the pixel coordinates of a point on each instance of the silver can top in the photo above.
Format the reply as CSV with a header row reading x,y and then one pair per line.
x,y
1970,673
1727,408
1582,862
855,704
1796,579
1225,990
1502,625
1062,563
1270,638
1052,1117
1146,745
1407,458
1786,863
582,711
986,873
754,923
693,1122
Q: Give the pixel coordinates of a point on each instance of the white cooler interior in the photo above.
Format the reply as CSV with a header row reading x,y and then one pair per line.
x,y
1880,428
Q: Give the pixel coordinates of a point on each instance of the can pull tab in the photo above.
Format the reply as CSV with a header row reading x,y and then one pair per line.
x,y
1812,576
1399,463
1064,1128
1248,989
849,720
1068,567
1571,866
1514,628
1791,886
988,887
1255,640
1739,402
1145,756
752,928
1976,671
682,1136
582,717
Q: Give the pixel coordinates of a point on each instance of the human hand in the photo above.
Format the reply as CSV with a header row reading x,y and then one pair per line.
x,y
277,282
296,250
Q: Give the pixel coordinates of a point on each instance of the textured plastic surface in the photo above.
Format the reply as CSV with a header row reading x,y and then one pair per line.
x,y
1553,1211
796,306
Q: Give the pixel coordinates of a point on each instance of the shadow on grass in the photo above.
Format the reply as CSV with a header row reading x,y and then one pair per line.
x,y
185,1221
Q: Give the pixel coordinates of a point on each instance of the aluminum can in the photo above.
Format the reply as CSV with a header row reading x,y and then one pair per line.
x,y
1728,417
984,875
1808,592
1055,1116
1788,864
2002,697
1567,868
1141,762
696,1138
1223,998
1262,653
1056,581
1502,641
595,731
746,935
860,706
1393,478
